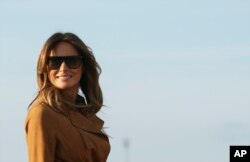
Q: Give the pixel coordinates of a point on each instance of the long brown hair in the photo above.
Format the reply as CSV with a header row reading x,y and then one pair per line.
x,y
89,83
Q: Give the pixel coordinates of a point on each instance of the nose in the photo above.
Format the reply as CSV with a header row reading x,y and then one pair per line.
x,y
63,67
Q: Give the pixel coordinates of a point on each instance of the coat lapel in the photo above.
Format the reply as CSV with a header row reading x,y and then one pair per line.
x,y
94,124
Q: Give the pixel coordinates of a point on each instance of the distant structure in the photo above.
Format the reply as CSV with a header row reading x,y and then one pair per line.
x,y
126,144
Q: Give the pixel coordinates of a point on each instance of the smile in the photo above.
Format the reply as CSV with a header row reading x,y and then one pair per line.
x,y
64,77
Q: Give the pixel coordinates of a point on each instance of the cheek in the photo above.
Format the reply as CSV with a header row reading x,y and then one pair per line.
x,y
51,75
79,73
77,76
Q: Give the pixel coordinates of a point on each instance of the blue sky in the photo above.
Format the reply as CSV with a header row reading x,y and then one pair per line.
x,y
175,73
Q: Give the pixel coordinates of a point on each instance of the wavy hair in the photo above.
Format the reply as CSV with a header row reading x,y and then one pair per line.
x,y
89,82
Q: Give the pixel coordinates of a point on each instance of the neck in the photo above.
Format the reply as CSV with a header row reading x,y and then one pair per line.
x,y
71,94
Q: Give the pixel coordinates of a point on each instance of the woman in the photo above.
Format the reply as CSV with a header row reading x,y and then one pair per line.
x,y
61,125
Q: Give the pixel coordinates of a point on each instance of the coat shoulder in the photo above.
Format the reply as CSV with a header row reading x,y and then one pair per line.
x,y
98,121
40,110
41,114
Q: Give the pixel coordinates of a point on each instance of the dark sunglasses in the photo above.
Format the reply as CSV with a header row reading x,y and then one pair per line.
x,y
72,62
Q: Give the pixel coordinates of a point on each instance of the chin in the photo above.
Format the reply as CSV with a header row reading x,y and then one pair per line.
x,y
67,87
63,87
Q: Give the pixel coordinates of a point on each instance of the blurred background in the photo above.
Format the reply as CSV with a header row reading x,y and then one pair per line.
x,y
175,73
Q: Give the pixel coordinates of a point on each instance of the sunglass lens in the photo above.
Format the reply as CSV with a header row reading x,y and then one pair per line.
x,y
55,62
73,62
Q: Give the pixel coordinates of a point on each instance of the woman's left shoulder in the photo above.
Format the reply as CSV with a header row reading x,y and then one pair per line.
x,y
98,121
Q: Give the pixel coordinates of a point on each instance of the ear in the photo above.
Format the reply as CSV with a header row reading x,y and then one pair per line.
x,y
83,69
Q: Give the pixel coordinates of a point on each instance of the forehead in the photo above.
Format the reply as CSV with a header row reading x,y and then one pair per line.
x,y
64,49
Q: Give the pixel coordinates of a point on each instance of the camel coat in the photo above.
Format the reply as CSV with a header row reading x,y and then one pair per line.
x,y
53,137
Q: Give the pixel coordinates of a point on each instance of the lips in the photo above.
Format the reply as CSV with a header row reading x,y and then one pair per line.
x,y
64,77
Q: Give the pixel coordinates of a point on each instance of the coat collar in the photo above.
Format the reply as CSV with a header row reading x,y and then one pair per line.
x,y
92,124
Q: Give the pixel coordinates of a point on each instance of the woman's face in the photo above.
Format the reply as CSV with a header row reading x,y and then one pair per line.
x,y
63,71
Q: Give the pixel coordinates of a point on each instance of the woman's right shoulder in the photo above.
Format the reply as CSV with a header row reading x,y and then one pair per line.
x,y
41,117
40,109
